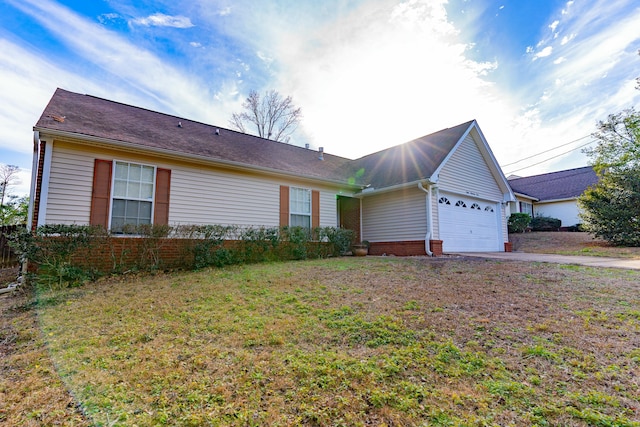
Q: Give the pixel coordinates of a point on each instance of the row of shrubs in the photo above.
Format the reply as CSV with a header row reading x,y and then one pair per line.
x,y
519,222
62,255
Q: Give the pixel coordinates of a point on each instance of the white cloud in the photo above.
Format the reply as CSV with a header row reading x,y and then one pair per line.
x,y
567,39
543,53
224,12
554,25
148,81
560,60
162,20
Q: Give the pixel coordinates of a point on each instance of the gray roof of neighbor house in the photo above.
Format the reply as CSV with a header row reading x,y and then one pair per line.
x,y
566,184
74,114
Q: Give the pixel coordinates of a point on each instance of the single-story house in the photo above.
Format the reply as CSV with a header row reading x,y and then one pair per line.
x,y
553,194
106,163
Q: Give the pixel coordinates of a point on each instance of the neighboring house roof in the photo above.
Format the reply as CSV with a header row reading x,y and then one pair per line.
x,y
566,184
86,117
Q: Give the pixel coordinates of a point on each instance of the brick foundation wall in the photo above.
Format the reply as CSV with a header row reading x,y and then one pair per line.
x,y
404,248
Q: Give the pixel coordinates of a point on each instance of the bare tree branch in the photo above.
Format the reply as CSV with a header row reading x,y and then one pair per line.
x,y
273,117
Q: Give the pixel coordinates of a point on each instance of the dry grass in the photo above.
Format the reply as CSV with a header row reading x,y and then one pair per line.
x,y
31,392
375,341
567,243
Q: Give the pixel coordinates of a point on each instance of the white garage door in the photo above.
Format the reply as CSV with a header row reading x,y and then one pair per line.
x,y
468,225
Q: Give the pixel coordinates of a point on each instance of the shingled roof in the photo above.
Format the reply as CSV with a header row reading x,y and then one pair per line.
x,y
412,161
74,114
566,184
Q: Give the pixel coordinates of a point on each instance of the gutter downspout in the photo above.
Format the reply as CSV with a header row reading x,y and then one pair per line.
x,y
427,238
34,172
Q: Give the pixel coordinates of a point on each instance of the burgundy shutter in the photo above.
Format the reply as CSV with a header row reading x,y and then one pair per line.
x,y
163,185
315,209
101,193
284,205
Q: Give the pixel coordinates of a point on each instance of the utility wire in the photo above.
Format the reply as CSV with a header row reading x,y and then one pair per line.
x,y
550,158
551,149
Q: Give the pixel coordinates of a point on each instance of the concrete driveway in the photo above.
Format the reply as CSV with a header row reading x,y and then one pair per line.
x,y
590,261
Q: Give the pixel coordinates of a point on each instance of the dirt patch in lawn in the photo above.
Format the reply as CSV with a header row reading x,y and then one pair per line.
x,y
354,341
569,243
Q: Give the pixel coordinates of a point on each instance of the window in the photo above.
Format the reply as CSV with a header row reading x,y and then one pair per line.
x,y
132,200
526,208
461,204
475,206
444,200
300,207
488,209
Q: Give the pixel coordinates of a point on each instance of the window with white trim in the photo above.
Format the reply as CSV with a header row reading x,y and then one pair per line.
x,y
526,208
132,195
300,207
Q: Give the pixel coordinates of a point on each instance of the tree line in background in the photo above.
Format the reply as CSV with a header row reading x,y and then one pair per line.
x,y
13,209
611,208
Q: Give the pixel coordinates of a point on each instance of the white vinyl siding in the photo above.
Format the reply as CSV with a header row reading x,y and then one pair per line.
x,y
70,185
199,194
395,216
328,209
566,211
466,172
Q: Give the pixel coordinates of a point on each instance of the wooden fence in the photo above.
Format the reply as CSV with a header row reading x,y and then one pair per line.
x,y
8,258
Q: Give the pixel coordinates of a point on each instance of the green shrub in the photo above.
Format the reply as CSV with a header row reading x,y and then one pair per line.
x,y
545,223
62,254
518,222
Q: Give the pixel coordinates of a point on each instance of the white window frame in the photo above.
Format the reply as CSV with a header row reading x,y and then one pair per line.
x,y
138,199
528,205
292,205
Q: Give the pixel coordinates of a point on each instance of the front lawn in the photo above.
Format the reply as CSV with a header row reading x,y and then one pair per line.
x,y
349,341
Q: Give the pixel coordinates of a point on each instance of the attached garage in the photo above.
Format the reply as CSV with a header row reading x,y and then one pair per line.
x,y
469,224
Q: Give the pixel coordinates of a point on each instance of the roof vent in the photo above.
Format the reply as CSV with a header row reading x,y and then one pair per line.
x,y
321,153
217,131
306,146
179,124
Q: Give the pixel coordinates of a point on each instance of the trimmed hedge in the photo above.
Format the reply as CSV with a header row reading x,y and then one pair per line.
x,y
64,255
545,223
518,222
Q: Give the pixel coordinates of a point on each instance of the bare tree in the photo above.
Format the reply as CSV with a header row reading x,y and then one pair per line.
x,y
8,177
272,116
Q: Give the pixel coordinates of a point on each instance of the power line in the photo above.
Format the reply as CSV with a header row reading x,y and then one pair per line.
x,y
550,158
551,149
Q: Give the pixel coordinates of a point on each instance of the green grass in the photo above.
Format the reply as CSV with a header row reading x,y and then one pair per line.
x,y
352,341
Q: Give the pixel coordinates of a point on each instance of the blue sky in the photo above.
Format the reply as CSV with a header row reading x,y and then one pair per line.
x,y
369,74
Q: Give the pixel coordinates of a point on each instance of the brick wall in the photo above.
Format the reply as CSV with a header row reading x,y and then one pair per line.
x,y
405,248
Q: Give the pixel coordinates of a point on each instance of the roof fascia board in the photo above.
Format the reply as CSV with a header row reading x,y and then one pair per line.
x,y
366,193
525,196
488,156
493,164
566,199
111,143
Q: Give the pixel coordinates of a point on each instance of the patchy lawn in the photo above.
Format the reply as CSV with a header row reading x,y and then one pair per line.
x,y
568,243
349,341
31,391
